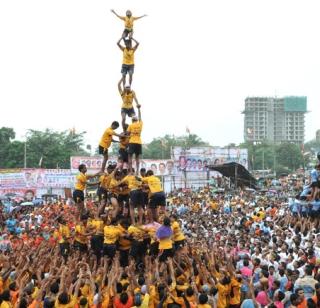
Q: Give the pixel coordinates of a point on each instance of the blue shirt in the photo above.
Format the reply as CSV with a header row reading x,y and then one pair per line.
x,y
314,175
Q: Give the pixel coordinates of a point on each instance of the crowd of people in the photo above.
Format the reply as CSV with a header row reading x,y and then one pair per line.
x,y
201,250
135,246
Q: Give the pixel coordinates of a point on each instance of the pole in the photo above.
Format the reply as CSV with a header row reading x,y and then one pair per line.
x,y
25,155
235,176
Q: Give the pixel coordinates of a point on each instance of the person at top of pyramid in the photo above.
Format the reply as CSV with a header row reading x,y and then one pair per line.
x,y
128,23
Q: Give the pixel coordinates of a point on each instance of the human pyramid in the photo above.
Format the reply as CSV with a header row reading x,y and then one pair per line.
x,y
123,187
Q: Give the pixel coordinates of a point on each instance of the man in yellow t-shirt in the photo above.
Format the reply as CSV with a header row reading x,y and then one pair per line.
x,y
105,142
128,59
135,142
157,196
128,96
128,22
80,186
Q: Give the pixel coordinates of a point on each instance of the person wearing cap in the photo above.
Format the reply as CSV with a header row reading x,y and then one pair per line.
x,y
105,142
128,96
128,59
128,23
135,143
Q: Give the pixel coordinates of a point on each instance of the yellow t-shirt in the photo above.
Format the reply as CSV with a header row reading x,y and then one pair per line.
x,y
204,306
134,182
128,56
71,304
136,233
64,232
6,304
104,180
113,186
111,234
128,22
135,130
127,99
177,233
81,180
98,226
154,184
223,292
235,286
124,141
124,244
165,243
80,234
106,138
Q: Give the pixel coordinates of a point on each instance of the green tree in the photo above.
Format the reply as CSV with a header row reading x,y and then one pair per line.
x,y
289,155
160,147
11,152
53,148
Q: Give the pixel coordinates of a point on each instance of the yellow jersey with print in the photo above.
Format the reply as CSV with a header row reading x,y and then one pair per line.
x,y
134,182
235,287
124,244
154,184
128,22
113,186
152,233
98,226
80,234
72,303
127,99
135,130
6,304
111,234
165,243
128,56
124,141
81,180
223,293
177,233
104,180
137,233
64,234
106,138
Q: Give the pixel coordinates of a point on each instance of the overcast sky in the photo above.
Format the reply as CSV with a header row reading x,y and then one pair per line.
x,y
197,62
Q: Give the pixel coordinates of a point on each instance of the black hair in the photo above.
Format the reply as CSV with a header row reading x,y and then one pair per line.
x,y
115,124
124,298
149,173
166,221
83,301
81,166
64,298
54,288
203,298
5,296
119,288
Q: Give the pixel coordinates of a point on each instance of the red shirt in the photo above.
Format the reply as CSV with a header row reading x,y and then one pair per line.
x,y
118,304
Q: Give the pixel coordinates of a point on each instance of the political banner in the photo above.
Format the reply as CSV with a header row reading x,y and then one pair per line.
x,y
198,158
158,166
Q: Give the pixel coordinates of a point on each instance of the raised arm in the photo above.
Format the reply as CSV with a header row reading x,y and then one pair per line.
x,y
120,86
119,45
139,17
114,12
136,100
136,45
139,113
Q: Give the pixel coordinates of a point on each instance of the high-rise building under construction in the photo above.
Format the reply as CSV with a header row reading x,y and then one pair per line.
x,y
275,119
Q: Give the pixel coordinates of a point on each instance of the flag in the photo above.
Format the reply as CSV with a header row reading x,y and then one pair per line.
x,y
40,161
187,130
249,131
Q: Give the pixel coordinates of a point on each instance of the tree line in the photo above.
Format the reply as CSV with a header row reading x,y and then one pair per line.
x,y
52,149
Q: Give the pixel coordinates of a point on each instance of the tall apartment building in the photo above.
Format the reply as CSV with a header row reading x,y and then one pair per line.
x,y
275,119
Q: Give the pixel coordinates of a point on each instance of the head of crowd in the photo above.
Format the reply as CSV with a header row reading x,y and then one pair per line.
x,y
200,249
